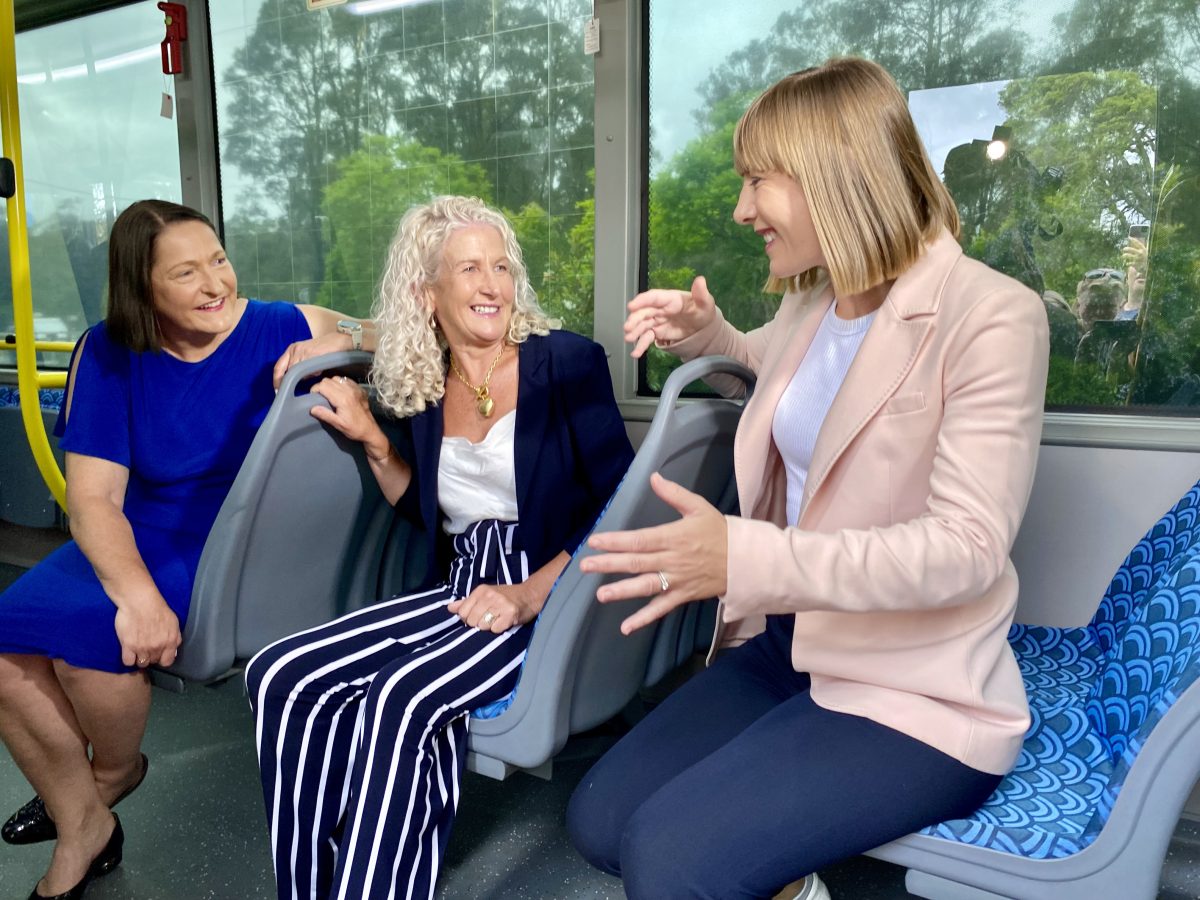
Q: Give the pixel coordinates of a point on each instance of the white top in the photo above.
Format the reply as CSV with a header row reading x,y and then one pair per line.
x,y
808,396
479,481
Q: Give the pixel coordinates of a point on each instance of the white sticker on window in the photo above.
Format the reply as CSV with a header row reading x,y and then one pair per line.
x,y
591,36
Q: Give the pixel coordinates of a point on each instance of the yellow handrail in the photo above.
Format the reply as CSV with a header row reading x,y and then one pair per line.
x,y
28,380
54,346
42,346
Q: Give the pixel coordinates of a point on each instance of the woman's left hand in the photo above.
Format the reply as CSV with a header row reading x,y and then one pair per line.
x,y
508,604
690,555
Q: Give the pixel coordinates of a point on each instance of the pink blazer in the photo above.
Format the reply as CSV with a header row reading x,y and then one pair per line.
x,y
898,570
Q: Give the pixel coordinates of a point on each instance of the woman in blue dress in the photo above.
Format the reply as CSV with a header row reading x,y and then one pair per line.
x,y
163,400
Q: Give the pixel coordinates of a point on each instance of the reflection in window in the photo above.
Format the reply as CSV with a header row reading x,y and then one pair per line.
x,y
93,141
333,123
1071,151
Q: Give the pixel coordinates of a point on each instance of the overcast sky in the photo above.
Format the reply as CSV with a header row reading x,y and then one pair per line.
x,y
686,46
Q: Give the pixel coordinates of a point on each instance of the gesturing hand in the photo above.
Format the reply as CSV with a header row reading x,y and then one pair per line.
x,y
507,604
690,554
662,316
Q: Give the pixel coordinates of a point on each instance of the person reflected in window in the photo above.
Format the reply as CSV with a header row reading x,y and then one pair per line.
x,y
883,466
1099,296
1064,325
511,445
163,399
1109,338
1134,255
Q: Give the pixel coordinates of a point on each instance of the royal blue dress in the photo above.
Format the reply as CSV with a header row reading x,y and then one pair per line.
x,y
182,429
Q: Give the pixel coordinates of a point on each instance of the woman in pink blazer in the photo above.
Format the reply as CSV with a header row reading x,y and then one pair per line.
x,y
883,467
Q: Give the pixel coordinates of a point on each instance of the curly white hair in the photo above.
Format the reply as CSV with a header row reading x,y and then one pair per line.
x,y
409,371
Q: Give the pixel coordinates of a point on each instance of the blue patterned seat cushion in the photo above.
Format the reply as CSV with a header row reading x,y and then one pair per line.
x,y
48,398
1042,809
1095,693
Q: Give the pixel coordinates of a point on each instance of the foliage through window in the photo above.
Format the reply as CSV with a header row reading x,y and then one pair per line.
x,y
1068,132
333,123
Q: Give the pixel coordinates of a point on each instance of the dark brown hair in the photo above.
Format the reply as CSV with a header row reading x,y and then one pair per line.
x,y
130,320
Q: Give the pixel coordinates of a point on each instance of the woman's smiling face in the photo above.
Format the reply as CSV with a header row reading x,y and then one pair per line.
x,y
473,295
195,287
774,205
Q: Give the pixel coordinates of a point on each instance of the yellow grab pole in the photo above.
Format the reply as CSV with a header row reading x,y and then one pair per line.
x,y
18,254
54,346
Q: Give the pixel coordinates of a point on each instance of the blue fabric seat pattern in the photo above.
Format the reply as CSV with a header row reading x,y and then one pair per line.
x,y
1095,693
48,398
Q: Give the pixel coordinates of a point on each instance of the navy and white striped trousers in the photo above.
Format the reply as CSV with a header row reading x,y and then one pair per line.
x,y
362,730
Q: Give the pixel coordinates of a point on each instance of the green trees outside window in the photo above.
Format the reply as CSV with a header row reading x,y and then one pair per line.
x,y
1091,197
333,123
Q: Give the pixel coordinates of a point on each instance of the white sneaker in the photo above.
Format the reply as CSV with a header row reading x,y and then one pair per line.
x,y
810,888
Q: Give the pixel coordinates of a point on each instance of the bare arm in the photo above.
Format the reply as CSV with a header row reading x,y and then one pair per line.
x,y
325,338
146,627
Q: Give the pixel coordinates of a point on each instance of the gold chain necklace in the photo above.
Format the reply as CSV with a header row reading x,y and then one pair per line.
x,y
483,400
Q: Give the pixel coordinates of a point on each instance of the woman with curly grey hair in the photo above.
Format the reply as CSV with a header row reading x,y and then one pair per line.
x,y
512,443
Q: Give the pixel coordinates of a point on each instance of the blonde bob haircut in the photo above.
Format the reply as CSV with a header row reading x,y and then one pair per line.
x,y
843,132
409,371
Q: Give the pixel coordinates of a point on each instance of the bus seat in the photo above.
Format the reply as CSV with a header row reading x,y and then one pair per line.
x,y
24,498
298,541
1111,754
580,670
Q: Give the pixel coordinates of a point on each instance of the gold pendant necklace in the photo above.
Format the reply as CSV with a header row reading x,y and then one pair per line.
x,y
483,400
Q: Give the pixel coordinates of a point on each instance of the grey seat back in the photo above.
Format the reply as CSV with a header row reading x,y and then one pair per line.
x,y
298,540
580,670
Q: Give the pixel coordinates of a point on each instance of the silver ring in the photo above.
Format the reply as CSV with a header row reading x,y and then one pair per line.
x,y
343,379
143,661
662,581
488,618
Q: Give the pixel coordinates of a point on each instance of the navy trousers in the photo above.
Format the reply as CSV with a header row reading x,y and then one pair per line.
x,y
739,784
362,730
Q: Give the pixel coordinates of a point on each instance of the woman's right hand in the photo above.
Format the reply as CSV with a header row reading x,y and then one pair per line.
x,y
664,316
148,632
350,413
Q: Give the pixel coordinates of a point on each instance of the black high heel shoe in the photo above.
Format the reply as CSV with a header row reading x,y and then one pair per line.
x,y
107,860
31,824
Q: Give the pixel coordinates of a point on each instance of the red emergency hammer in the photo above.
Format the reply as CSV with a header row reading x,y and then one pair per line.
x,y
172,50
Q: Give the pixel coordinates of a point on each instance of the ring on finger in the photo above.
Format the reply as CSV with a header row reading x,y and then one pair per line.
x,y
488,618
143,661
662,581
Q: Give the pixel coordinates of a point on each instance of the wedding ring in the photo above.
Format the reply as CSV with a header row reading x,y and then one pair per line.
x,y
143,661
662,581
488,618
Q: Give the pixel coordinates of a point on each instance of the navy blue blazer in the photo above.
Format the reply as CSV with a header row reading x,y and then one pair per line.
x,y
570,449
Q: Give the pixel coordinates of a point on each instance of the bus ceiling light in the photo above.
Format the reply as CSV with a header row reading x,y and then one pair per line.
x,y
997,147
106,64
368,7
